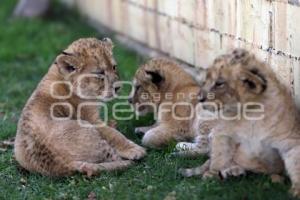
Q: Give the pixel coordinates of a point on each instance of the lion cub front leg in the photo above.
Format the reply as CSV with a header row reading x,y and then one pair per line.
x,y
291,160
222,152
196,171
126,148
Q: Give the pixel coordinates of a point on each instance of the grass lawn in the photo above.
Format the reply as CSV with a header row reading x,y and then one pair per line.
x,y
27,48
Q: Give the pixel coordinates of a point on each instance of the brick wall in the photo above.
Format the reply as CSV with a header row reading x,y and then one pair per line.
x,y
196,31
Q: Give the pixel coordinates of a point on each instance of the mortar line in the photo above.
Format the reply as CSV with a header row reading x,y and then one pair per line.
x,y
192,25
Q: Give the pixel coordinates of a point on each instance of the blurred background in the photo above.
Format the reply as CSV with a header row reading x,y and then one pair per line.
x,y
196,31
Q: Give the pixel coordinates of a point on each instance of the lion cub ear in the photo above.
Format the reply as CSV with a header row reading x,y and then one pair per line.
x,y
66,64
109,43
155,77
254,81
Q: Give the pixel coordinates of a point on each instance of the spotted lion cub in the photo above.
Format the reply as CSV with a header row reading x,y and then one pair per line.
x,y
163,87
60,131
262,131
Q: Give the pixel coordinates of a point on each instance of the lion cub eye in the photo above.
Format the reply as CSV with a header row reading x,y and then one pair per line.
x,y
220,83
70,68
137,87
114,67
99,73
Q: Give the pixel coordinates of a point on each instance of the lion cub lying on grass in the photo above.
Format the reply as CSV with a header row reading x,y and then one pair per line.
x,y
266,138
163,87
55,135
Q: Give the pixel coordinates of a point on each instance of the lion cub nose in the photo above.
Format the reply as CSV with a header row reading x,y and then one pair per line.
x,y
202,96
130,100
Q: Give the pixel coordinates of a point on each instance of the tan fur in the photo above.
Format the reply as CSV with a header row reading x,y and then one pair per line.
x,y
269,145
164,83
61,147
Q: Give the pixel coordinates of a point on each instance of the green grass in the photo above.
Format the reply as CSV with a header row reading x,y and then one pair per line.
x,y
27,48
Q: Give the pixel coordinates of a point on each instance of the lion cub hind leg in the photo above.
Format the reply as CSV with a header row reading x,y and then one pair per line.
x,y
92,169
125,148
291,160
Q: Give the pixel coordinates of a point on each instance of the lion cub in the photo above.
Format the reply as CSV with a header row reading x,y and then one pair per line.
x,y
60,131
163,87
258,127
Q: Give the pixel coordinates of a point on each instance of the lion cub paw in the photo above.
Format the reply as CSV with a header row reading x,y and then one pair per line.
x,y
88,169
295,190
276,178
209,175
232,171
186,172
133,153
140,131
